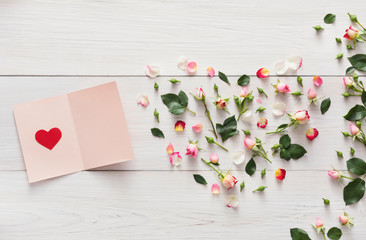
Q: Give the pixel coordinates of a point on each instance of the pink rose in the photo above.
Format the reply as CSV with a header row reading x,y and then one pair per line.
x,y
354,129
343,219
302,116
318,223
333,174
348,82
220,103
229,181
351,33
214,158
244,92
283,88
249,143
311,93
192,149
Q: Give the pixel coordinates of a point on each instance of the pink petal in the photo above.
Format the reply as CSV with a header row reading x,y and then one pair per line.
x,y
192,67
143,100
259,100
175,159
262,73
210,71
215,189
152,71
198,127
318,81
312,133
170,149
231,201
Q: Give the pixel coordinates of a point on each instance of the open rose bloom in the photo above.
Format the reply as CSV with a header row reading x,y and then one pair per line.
x,y
175,159
302,116
192,150
221,103
262,122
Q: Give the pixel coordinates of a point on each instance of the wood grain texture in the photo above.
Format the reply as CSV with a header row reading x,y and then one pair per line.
x,y
121,37
167,205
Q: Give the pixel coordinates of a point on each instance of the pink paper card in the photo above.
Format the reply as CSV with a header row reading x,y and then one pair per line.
x,y
73,132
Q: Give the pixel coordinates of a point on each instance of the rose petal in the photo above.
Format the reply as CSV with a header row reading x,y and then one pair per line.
x,y
278,109
182,62
231,201
170,149
318,81
294,62
214,158
192,67
198,127
262,73
312,133
175,159
143,100
281,67
238,157
247,117
280,174
215,189
210,71
179,126
259,100
152,71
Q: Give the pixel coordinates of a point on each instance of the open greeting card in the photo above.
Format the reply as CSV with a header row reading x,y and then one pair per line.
x,y
73,132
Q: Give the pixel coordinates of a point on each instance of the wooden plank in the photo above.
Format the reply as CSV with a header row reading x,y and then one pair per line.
x,y
121,37
169,205
150,151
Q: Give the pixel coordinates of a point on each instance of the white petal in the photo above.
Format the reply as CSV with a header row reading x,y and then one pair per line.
x,y
247,117
238,157
232,201
152,71
278,109
281,67
182,62
294,62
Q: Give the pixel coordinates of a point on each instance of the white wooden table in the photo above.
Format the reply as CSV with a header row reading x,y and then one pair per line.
x,y
54,47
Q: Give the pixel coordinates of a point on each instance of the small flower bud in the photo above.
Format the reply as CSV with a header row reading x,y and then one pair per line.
x,y
345,94
275,147
338,40
156,86
355,76
352,17
346,134
297,93
326,201
318,28
352,151
339,154
260,109
358,124
339,55
299,80
210,139
349,46
257,140
246,132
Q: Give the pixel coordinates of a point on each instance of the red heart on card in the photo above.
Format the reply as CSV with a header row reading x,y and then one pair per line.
x,y
48,139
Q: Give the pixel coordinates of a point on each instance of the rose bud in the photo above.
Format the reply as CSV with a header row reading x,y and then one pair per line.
x,y
280,174
214,158
302,116
312,133
200,94
152,71
348,82
311,94
244,92
170,149
318,223
192,67
354,129
210,71
192,149
262,122
334,174
282,88
249,143
351,33
220,103
175,159
262,73
343,219
318,81
143,100
215,189
198,127
229,181
179,126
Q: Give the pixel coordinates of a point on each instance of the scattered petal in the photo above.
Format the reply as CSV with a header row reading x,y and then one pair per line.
x,y
198,127
312,133
214,158
215,189
179,126
143,100
170,149
280,174
259,100
182,62
192,67
278,109
247,117
262,122
294,62
281,67
238,157
231,201
262,73
318,81
152,71
175,159
210,71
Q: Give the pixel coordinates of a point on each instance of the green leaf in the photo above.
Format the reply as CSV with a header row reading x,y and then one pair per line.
x,y
285,141
284,154
329,18
299,234
177,109
324,106
227,129
358,61
356,113
243,80
296,151
356,166
354,191
350,70
199,179
363,98
263,173
174,81
242,186
284,125
250,167
169,99
223,77
157,133
326,201
334,233
183,98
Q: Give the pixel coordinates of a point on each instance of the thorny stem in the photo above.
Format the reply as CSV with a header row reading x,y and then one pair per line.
x,y
219,173
207,112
